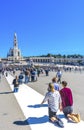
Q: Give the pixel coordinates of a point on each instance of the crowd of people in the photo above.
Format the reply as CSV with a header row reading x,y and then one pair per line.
x,y
57,99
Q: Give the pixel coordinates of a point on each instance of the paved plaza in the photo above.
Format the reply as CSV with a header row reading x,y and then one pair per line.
x,y
10,111
22,110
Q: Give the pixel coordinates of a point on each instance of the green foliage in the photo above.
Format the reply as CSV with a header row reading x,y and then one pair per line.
x,y
59,56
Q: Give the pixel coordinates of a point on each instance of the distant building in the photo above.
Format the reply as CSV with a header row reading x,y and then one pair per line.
x,y
52,60
14,53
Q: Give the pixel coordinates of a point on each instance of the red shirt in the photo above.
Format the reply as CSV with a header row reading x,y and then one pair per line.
x,y
66,96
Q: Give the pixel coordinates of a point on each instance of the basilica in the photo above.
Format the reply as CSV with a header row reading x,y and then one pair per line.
x,y
14,53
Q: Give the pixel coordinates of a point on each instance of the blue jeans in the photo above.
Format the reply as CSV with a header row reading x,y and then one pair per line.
x,y
15,89
26,79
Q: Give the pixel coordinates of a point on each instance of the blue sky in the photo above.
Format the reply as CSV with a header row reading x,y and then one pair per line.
x,y
42,26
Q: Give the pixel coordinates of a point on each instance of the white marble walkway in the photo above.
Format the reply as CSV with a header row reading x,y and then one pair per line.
x,y
37,115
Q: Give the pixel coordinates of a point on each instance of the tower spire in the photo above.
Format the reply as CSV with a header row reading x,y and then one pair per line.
x,y
14,53
15,41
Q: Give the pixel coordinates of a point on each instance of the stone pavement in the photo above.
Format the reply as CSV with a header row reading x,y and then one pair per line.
x,y
75,81
10,112
37,115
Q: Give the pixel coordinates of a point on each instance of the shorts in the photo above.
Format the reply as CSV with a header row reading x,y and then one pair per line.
x,y
68,110
51,113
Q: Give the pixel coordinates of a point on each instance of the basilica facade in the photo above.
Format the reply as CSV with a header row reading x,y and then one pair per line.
x,y
14,53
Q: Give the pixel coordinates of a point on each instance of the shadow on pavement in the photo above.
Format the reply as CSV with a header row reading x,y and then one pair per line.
x,y
38,105
6,92
33,120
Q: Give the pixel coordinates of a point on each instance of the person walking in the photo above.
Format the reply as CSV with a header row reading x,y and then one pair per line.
x,y
21,77
54,103
16,84
27,75
59,76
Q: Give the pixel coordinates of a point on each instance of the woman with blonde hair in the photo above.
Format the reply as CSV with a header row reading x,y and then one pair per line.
x,y
54,103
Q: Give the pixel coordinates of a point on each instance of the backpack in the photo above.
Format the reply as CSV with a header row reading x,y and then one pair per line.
x,y
20,76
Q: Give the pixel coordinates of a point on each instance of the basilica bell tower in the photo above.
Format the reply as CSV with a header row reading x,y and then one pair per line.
x,y
15,53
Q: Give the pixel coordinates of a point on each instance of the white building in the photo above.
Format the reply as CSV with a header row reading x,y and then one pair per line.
x,y
14,53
